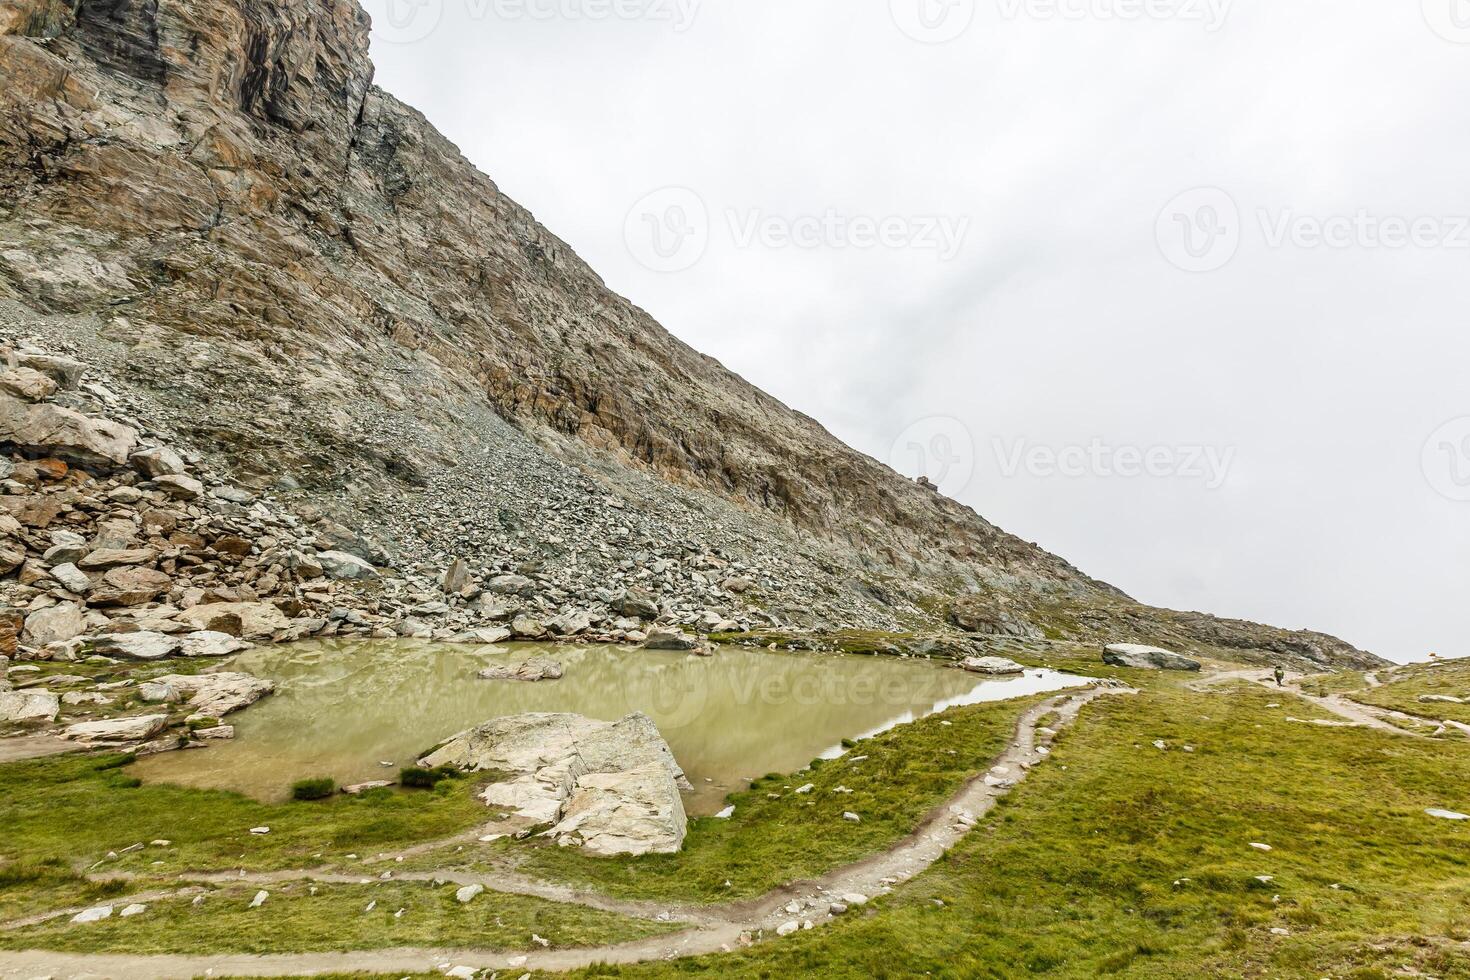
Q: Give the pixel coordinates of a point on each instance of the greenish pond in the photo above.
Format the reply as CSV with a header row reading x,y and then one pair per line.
x,y
361,710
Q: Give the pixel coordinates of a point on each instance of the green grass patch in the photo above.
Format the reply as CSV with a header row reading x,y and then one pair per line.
x,y
1117,858
770,841
302,917
79,809
1404,687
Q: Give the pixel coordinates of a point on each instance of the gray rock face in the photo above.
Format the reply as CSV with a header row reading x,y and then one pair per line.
x,y
984,615
1147,658
609,788
535,669
60,431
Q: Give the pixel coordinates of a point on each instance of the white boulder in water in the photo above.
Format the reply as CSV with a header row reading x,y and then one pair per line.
x,y
609,788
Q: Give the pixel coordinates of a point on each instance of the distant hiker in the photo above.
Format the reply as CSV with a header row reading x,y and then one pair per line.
x,y
1280,677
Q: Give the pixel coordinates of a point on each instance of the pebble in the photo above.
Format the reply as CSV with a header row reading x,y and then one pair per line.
x,y
259,899
469,893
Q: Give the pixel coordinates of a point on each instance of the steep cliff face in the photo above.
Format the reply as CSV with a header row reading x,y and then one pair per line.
x,y
320,290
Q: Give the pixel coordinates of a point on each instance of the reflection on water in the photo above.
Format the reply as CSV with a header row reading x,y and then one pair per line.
x,y
343,708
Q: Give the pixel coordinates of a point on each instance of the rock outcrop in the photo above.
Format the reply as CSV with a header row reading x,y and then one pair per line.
x,y
1147,658
210,217
609,788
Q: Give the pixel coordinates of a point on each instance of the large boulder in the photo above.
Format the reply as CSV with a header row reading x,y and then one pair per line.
x,y
158,461
251,620
62,432
23,707
105,558
638,603
609,788
27,384
57,624
140,645
1146,658
344,567
660,638
216,695
65,371
993,666
128,587
116,731
206,643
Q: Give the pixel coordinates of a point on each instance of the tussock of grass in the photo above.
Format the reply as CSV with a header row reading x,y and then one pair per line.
x,y
302,917
1116,858
313,789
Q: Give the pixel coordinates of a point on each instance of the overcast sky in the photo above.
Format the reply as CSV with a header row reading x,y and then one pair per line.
x,y
1175,288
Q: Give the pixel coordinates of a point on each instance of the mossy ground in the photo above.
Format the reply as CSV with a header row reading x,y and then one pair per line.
x,y
1403,687
74,810
902,775
306,917
1114,858
1118,858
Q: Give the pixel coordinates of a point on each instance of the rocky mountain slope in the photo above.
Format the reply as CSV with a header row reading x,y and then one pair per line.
x,y
292,274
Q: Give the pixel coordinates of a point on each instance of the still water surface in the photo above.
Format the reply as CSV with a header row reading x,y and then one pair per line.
x,y
343,708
